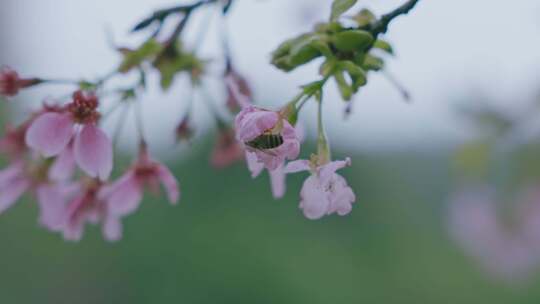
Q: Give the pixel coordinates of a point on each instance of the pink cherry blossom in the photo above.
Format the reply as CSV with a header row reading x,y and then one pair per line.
x,y
324,192
31,176
226,150
87,207
124,195
51,132
253,122
11,83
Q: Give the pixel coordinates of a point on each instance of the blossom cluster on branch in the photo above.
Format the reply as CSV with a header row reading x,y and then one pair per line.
x,y
62,156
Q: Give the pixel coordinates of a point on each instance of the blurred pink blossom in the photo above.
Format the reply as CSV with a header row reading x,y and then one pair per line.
x,y
508,252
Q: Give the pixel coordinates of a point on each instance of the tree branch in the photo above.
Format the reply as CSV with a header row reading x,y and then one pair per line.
x,y
381,26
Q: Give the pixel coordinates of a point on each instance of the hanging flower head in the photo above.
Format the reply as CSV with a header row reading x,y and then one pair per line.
x,y
324,192
268,135
124,195
87,207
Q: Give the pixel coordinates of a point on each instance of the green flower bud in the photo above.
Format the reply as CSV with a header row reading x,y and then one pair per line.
x,y
372,63
354,40
383,45
344,88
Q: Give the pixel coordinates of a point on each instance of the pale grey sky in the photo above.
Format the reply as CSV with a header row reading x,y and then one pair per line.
x,y
445,48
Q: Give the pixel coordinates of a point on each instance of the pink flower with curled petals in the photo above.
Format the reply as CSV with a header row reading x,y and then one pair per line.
x,y
278,175
51,132
124,195
11,83
253,125
324,192
88,208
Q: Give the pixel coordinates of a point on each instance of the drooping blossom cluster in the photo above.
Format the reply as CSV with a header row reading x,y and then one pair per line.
x,y
324,192
44,153
63,157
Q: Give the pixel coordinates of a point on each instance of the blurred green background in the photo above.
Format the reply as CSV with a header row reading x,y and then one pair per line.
x,y
228,241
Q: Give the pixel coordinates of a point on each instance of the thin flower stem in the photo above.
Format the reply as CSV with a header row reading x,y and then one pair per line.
x,y
58,81
401,89
139,122
207,100
203,31
323,149
120,125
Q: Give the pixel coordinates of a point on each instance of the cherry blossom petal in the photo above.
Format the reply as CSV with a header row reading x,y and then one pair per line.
x,y
297,166
314,201
50,133
277,182
52,203
327,171
12,192
123,196
112,228
254,166
74,221
169,182
64,165
13,171
93,152
254,124
342,197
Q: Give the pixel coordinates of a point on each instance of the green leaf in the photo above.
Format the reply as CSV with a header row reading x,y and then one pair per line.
x,y
384,45
354,40
339,7
134,58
